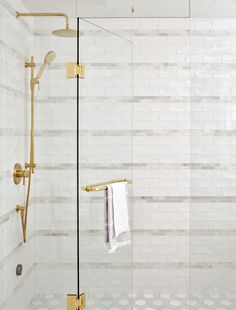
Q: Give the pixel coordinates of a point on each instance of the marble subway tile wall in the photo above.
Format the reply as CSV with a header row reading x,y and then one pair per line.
x,y
213,157
155,122
15,48
161,155
182,126
105,152
183,154
101,144
55,154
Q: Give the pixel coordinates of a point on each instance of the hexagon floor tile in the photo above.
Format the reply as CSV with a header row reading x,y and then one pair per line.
x,y
148,301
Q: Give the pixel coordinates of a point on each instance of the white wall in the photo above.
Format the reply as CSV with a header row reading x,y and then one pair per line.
x,y
183,129
15,49
150,8
183,147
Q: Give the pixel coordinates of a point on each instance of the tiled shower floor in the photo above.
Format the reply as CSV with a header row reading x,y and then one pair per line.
x,y
141,302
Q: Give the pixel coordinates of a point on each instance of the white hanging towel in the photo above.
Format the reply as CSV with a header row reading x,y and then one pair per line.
x,y
117,231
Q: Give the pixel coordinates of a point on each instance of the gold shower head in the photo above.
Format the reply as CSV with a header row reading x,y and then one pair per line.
x,y
65,33
49,57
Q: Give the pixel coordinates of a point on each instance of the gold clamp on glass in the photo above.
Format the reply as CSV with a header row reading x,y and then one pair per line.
x,y
76,303
103,185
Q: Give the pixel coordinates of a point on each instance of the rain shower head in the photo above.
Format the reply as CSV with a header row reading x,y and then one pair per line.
x,y
65,33
49,57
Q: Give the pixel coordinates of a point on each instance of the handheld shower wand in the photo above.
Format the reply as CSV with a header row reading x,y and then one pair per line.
x,y
49,57
19,173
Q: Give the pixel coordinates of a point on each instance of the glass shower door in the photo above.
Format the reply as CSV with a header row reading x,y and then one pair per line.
x,y
105,154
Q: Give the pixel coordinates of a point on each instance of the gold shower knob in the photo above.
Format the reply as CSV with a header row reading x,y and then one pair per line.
x,y
19,174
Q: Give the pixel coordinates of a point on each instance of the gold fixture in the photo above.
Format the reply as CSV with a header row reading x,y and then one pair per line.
x,y
73,70
66,32
18,172
132,9
75,303
103,185
21,210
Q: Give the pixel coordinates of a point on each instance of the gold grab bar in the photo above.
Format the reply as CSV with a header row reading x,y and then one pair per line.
x,y
103,185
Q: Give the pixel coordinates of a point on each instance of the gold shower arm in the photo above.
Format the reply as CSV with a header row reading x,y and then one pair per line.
x,y
47,14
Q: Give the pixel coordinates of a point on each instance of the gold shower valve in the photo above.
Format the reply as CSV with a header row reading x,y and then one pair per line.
x,y
19,174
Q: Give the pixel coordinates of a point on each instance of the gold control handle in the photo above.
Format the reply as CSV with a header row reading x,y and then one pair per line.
x,y
19,174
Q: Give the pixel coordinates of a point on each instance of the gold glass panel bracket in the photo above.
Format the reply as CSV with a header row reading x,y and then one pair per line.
x,y
74,70
103,185
76,303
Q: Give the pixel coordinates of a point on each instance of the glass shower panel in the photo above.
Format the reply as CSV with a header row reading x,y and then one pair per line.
x,y
213,174
105,134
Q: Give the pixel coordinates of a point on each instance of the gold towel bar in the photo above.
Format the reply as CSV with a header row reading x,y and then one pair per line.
x,y
102,186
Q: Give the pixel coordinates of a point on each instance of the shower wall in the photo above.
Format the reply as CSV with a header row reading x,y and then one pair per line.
x,y
161,155
16,43
184,182
55,153
212,148
161,152
183,158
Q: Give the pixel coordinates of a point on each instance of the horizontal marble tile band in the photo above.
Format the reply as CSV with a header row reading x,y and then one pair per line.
x,y
6,4
13,132
150,232
160,265
135,99
11,254
101,100
118,166
138,199
12,91
156,66
56,265
154,32
6,217
55,233
119,133
158,166
160,132
60,166
20,282
56,133
130,265
11,51
57,99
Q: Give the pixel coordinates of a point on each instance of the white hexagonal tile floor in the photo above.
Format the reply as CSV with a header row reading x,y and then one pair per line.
x,y
147,301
